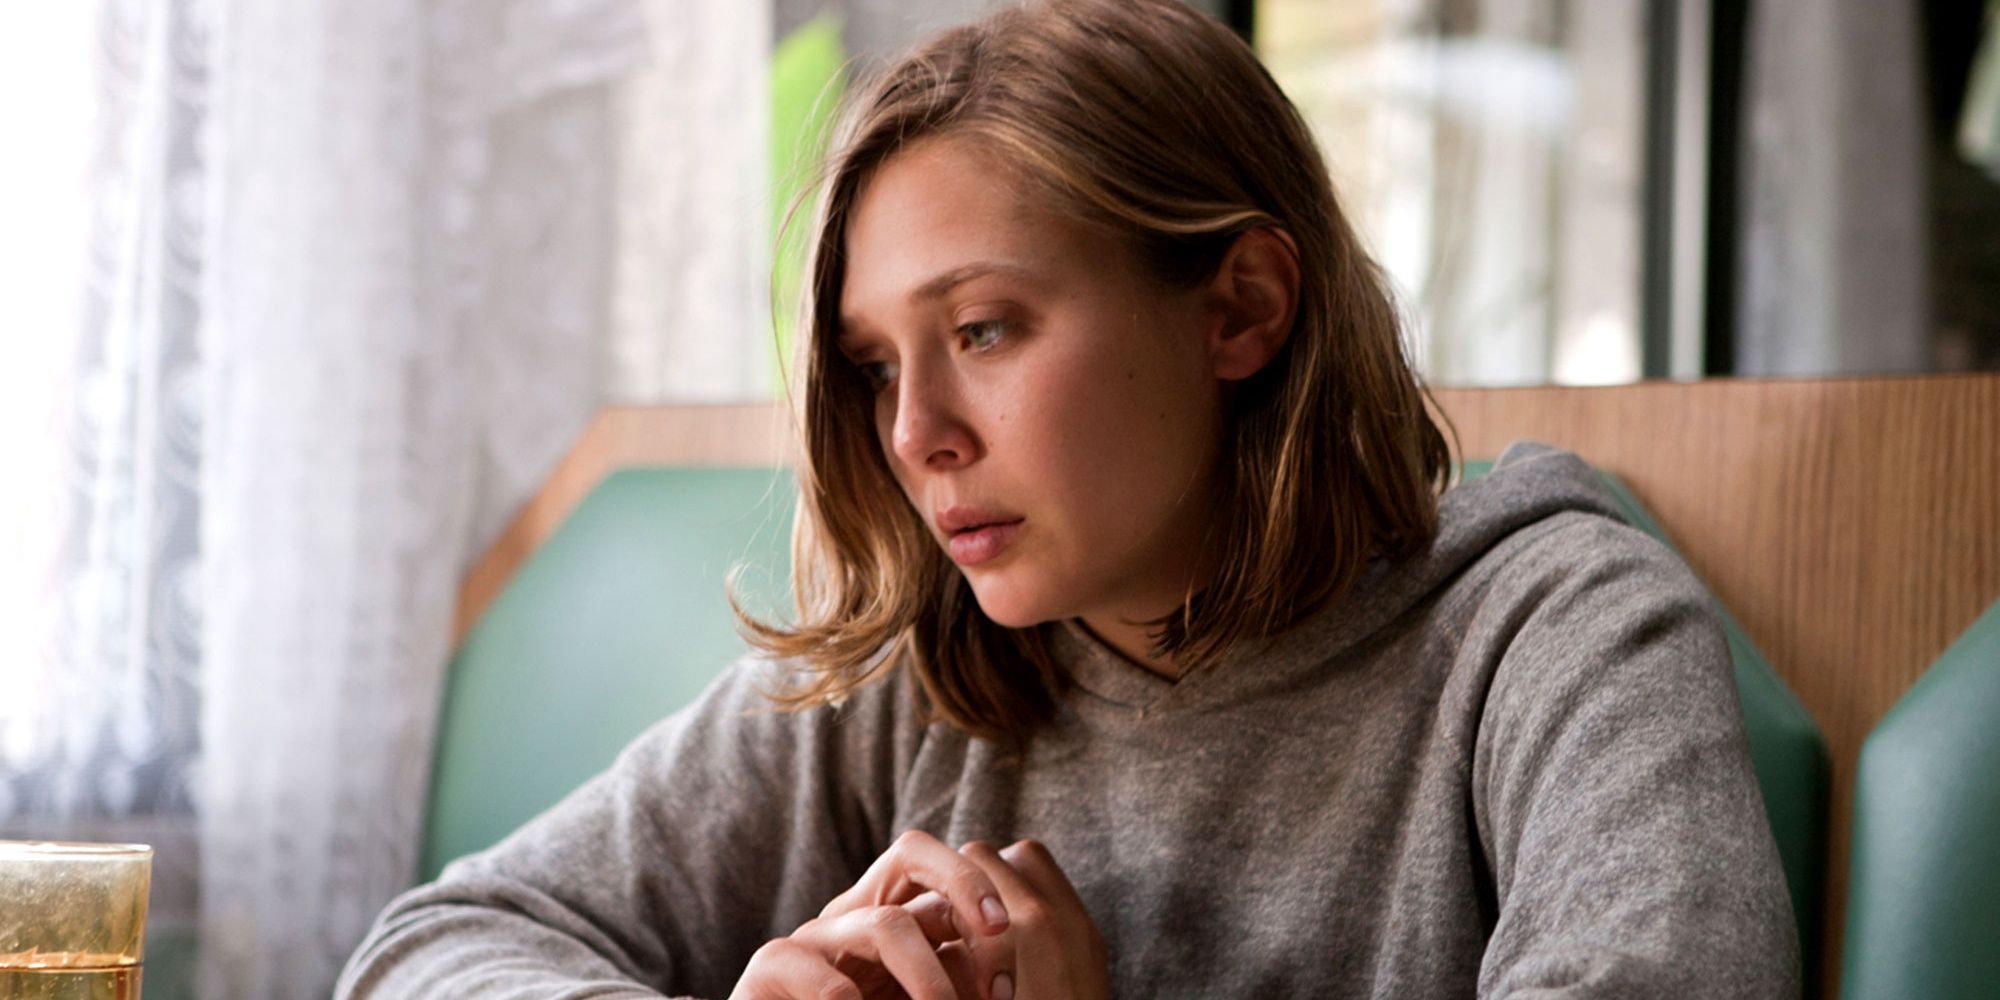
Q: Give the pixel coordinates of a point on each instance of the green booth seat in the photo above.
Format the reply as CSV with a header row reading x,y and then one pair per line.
x,y
619,619
1793,769
1923,902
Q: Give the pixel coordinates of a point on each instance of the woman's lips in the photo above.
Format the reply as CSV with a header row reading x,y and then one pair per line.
x,y
977,545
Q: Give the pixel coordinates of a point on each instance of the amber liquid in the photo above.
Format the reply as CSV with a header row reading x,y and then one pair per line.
x,y
68,977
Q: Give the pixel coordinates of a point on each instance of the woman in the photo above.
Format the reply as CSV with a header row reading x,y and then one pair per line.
x,y
1125,544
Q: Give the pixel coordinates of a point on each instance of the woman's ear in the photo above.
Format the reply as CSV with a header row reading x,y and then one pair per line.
x,y
1256,294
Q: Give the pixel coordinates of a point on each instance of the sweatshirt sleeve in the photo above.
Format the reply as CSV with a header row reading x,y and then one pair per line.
x,y
723,827
1613,789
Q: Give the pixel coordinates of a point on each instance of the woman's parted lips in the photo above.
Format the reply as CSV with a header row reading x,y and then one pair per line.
x,y
953,520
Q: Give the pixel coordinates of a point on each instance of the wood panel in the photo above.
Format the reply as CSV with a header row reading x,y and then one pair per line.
x,y
1853,526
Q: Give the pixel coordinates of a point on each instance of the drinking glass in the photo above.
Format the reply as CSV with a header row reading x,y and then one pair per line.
x,y
72,920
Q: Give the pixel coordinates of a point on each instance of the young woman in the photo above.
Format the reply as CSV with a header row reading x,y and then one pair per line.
x,y
1141,650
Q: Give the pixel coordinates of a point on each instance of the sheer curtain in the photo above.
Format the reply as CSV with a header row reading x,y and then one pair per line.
x,y
100,575
408,288
352,275
691,296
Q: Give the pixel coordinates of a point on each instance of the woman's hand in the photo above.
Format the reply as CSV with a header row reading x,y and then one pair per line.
x,y
899,932
879,938
863,954
1050,938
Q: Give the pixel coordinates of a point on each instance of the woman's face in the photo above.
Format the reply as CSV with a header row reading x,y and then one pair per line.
x,y
1032,379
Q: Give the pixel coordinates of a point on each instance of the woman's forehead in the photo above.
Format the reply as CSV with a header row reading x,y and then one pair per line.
x,y
941,214
939,198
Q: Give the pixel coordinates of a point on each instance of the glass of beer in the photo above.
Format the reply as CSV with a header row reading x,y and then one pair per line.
x,y
72,920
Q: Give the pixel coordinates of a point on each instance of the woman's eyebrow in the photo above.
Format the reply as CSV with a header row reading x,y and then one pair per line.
x,y
937,287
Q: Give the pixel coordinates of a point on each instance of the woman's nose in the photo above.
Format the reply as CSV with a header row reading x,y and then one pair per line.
x,y
929,429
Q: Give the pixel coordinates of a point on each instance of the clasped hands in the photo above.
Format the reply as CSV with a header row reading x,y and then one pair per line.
x,y
930,923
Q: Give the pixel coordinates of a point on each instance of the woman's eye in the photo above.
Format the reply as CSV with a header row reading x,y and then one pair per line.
x,y
878,374
984,333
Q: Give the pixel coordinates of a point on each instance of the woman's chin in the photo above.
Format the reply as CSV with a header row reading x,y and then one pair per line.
x,y
1011,607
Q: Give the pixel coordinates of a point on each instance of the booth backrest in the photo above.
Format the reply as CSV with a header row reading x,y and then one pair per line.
x,y
618,620
1923,910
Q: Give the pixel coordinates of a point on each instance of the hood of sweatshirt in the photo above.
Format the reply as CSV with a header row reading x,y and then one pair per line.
x,y
1528,483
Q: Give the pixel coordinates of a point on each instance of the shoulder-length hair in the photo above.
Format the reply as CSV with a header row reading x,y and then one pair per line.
x,y
1159,124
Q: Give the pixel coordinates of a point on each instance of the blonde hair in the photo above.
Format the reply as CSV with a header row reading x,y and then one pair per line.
x,y
1158,123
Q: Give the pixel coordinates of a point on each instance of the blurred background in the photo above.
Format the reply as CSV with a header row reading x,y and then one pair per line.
x,y
302,300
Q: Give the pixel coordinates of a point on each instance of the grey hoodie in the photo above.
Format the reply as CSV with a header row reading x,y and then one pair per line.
x,y
1513,766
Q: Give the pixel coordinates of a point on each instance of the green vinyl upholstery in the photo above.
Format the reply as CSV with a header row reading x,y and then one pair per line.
x,y
1923,904
619,620
1786,748
615,622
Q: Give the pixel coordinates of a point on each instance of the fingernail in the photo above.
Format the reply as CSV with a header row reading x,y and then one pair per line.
x,y
1003,987
996,915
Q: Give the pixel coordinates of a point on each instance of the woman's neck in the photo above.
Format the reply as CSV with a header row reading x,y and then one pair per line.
x,y
1133,641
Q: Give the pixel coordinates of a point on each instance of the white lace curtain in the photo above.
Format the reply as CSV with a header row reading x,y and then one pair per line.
x,y
100,588
352,274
